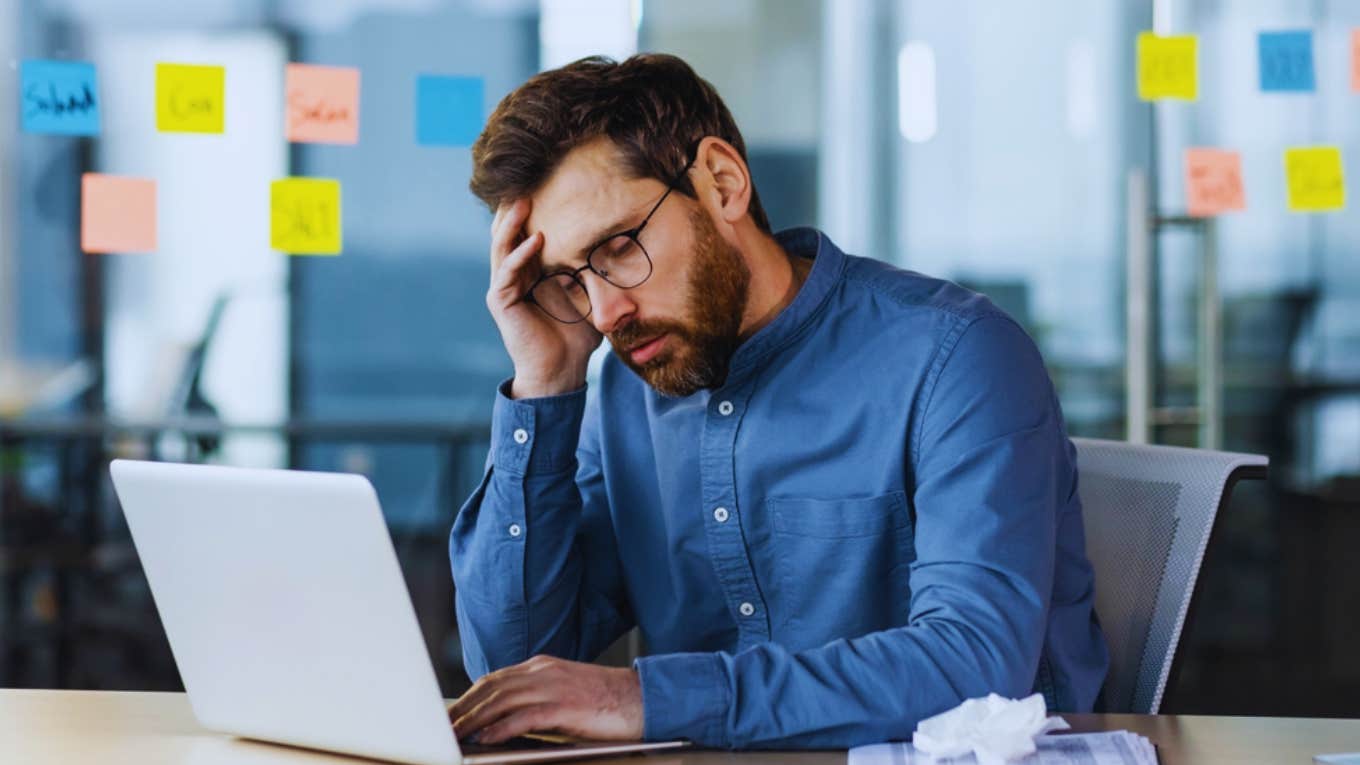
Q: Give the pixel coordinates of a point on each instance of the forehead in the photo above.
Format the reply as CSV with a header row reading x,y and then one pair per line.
x,y
589,192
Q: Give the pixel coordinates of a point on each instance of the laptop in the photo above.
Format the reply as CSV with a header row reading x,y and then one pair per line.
x,y
288,616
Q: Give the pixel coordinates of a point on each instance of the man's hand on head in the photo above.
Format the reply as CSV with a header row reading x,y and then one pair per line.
x,y
547,694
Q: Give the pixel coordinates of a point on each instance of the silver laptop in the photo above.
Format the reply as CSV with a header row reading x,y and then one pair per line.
x,y
288,615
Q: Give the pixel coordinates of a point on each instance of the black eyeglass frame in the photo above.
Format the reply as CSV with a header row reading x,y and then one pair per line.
x,y
632,233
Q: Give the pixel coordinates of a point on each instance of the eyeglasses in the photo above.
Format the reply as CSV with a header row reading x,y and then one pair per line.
x,y
619,259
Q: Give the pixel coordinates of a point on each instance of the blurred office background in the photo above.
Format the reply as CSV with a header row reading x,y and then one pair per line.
x,y
995,143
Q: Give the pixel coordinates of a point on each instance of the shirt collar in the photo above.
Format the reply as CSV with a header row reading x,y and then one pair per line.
x,y
827,265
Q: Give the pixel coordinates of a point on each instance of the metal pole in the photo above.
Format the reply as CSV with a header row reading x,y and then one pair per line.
x,y
1138,307
1210,342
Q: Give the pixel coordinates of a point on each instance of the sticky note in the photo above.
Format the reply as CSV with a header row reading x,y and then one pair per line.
x,y
322,104
448,110
117,213
190,98
304,216
1315,179
1168,67
1286,61
1355,60
60,97
1213,182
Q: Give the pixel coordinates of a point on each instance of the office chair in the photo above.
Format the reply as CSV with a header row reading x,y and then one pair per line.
x,y
1149,513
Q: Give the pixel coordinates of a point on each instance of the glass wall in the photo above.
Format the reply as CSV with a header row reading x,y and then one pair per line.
x,y
992,143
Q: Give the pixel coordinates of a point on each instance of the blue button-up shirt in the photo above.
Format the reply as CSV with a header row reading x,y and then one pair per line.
x,y
873,519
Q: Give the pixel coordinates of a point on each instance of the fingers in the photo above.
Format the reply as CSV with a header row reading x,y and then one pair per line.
x,y
500,703
500,693
508,279
478,692
537,717
506,227
487,694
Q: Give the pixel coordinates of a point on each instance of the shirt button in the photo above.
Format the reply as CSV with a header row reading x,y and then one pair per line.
x,y
725,408
746,609
515,530
720,515
521,435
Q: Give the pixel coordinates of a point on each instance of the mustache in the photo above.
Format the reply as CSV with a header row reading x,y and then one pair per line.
x,y
637,331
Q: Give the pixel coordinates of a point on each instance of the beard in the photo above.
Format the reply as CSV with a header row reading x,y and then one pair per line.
x,y
700,347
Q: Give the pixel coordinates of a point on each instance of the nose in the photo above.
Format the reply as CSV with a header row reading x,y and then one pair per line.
x,y
610,307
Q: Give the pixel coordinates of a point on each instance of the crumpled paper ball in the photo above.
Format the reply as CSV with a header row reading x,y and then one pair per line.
x,y
995,729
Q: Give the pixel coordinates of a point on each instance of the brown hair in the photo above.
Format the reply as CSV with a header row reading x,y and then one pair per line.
x,y
652,106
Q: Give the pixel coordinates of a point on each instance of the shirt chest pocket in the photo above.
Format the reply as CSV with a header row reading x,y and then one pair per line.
x,y
841,566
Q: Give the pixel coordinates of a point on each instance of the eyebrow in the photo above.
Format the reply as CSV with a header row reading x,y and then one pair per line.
x,y
601,234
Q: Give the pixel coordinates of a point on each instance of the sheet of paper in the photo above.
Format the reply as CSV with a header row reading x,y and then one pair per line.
x,y
1168,67
190,98
1213,182
322,104
117,214
1315,179
304,216
448,110
1286,61
1108,748
60,97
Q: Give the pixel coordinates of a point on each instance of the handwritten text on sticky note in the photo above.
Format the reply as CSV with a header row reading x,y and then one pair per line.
x,y
1168,67
323,104
1213,182
59,97
117,213
1315,179
448,110
1286,61
305,216
190,98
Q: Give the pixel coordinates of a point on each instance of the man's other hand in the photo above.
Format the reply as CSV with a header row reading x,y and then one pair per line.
x,y
547,694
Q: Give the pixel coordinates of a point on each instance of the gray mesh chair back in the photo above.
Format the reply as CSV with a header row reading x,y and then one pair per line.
x,y
1149,513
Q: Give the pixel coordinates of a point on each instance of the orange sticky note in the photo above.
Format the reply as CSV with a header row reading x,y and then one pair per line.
x,y
1355,60
323,104
1213,182
117,214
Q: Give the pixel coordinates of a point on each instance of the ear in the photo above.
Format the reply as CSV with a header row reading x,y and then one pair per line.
x,y
723,181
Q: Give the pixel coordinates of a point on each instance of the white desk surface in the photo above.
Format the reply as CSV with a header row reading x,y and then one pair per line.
x,y
88,727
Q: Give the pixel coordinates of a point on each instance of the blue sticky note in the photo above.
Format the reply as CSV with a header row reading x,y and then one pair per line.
x,y
58,97
1286,60
448,110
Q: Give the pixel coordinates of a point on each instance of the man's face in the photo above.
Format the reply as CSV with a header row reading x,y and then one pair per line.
x,y
678,329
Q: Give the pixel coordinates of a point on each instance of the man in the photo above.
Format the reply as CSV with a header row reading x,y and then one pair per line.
x,y
835,497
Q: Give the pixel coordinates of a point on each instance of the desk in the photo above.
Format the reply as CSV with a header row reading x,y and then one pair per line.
x,y
60,727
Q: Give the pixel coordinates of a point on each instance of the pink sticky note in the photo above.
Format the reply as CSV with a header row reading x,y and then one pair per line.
x,y
117,213
1355,60
323,104
1213,182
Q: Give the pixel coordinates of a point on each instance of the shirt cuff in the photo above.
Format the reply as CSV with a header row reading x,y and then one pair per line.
x,y
535,435
684,695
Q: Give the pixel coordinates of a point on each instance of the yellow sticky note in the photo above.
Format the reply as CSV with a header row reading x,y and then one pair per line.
x,y
1314,175
1168,67
190,98
305,216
